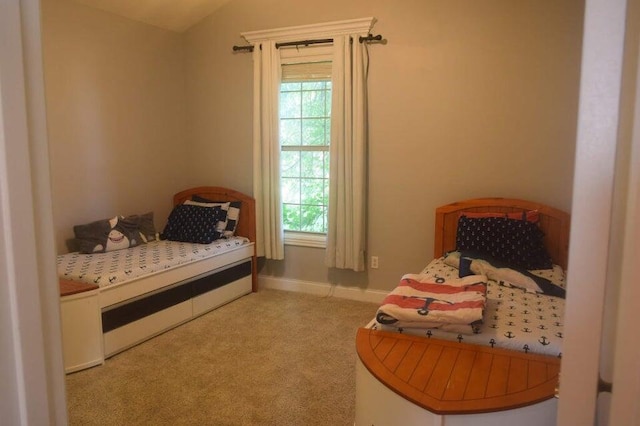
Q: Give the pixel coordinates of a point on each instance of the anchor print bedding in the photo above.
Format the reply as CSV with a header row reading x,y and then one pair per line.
x,y
513,318
115,267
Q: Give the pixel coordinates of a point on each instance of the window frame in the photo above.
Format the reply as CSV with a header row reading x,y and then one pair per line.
x,y
292,55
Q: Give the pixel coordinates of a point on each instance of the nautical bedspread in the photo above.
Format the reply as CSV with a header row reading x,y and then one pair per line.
x,y
119,266
513,319
421,301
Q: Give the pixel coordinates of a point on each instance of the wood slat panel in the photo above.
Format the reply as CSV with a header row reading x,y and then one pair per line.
x,y
442,372
518,375
384,347
537,373
425,367
479,377
498,377
456,378
409,362
459,378
397,354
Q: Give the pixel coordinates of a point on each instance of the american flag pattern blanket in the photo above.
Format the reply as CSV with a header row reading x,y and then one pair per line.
x,y
420,301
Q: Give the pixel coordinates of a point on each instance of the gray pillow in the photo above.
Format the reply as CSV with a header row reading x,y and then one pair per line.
x,y
146,228
107,235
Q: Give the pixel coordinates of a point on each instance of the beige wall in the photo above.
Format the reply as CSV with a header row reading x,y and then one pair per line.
x,y
115,97
467,99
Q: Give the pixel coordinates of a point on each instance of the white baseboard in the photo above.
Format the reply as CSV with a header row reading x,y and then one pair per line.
x,y
321,289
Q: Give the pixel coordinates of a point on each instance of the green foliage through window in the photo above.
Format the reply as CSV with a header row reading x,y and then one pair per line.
x,y
305,122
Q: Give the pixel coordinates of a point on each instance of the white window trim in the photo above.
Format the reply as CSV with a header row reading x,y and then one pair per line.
x,y
300,238
313,31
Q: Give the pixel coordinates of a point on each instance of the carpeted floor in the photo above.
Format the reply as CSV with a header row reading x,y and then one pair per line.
x,y
269,358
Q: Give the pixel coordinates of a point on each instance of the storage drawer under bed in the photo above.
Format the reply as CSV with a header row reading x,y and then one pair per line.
x,y
134,321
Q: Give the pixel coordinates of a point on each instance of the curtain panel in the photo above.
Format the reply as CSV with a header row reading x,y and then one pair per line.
x,y
346,237
266,151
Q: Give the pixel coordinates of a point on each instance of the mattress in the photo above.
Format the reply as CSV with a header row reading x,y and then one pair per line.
x,y
513,318
120,266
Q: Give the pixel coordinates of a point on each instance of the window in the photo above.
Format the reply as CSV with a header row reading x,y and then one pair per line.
x,y
274,52
305,130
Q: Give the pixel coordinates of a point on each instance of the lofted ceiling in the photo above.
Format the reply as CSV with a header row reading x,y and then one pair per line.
x,y
174,15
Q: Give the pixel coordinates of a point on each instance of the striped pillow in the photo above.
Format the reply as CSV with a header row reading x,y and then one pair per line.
x,y
228,225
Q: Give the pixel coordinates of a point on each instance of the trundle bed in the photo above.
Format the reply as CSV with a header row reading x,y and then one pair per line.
x,y
505,370
138,292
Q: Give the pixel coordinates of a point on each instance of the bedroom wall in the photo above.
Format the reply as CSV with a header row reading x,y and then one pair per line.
x,y
467,99
115,98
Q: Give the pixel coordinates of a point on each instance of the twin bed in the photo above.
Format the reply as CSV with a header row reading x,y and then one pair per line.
x,y
147,289
502,368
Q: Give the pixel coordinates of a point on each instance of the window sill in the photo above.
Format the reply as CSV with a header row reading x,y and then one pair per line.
x,y
305,239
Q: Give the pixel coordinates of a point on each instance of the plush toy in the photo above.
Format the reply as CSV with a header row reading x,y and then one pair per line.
x,y
107,235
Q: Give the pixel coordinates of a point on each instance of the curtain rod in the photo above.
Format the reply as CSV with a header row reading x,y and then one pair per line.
x,y
362,39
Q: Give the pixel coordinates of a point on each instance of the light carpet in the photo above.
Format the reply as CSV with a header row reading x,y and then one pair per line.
x,y
268,358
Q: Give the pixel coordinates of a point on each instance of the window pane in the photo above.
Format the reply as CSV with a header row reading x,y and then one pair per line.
x,y
291,217
289,87
313,104
313,131
312,164
290,132
312,219
313,85
290,104
290,163
290,190
305,121
312,191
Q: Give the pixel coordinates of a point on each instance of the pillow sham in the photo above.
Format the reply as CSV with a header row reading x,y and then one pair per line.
x,y
227,226
530,215
107,235
517,242
193,224
146,228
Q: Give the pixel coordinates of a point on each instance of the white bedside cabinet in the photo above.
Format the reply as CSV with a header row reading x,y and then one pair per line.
x,y
81,326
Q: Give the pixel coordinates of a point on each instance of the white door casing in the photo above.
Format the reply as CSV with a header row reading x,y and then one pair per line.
x,y
598,117
625,409
30,354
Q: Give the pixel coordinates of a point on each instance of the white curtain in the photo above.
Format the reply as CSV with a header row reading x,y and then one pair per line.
x,y
266,151
347,188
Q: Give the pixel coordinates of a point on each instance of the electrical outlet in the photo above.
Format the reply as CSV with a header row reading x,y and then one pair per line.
x,y
374,262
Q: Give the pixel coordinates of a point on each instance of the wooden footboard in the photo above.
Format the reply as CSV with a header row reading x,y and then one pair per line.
x,y
456,378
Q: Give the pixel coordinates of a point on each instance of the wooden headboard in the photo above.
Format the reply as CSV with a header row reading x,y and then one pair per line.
x,y
246,223
553,222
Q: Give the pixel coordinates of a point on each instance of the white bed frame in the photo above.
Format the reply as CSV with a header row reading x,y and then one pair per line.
x,y
128,335
220,280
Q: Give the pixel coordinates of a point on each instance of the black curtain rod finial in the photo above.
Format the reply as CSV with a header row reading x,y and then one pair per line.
x,y
242,48
371,37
